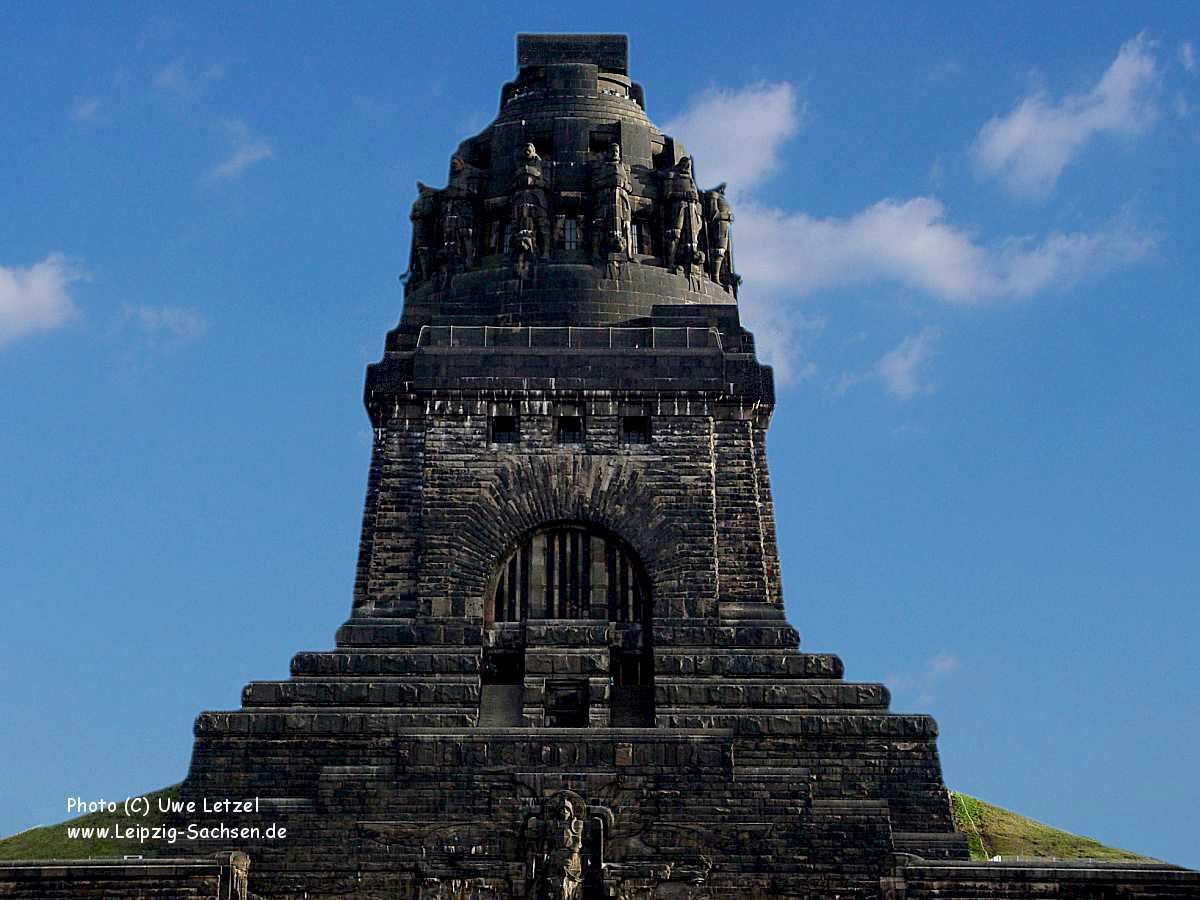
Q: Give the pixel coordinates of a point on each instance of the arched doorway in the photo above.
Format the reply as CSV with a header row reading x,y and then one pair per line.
x,y
570,571
584,575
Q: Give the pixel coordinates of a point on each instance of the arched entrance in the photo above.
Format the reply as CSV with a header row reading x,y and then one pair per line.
x,y
567,624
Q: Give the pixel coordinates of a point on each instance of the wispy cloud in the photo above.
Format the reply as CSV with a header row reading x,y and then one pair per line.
x,y
1029,147
911,243
901,371
186,81
166,321
37,297
1187,56
923,684
740,132
86,110
245,149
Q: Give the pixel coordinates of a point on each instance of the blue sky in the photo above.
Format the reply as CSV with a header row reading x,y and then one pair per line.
x,y
971,248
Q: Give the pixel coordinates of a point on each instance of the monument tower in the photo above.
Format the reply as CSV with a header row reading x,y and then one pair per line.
x,y
567,673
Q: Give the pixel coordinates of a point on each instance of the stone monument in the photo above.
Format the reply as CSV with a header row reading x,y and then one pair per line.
x,y
567,674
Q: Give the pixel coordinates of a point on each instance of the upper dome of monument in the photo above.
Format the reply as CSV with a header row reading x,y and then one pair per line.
x,y
570,208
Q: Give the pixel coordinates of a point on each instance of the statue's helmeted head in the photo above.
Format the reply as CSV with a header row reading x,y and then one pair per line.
x,y
530,152
563,807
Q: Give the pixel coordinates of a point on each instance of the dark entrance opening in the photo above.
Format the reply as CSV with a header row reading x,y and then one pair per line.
x,y
567,703
502,689
587,576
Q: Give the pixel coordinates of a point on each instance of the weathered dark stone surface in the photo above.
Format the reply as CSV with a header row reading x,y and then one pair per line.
x,y
222,876
567,673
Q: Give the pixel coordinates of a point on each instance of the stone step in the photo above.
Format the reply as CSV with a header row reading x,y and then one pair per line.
x,y
814,694
415,661
747,663
390,693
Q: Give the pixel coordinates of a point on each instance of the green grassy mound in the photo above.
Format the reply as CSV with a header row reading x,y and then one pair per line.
x,y
54,842
992,831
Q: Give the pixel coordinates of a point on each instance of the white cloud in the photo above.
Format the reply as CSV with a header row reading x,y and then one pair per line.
x,y
181,80
168,321
1029,148
36,298
1187,56
910,243
740,132
86,109
246,149
900,368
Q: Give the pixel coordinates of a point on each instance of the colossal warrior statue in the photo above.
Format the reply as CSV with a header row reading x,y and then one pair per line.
x,y
683,203
458,202
424,227
610,188
529,203
719,219
567,673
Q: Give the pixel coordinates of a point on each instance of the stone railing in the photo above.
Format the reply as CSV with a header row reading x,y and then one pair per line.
x,y
568,337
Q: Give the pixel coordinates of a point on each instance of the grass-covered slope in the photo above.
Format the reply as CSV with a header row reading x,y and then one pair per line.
x,y
992,831
54,841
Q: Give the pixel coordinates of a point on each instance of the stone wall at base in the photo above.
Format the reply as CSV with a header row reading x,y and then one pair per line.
x,y
1036,878
222,876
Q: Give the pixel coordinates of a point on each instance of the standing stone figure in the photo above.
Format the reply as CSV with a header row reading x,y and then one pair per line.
x,y
611,231
424,224
556,866
683,203
695,270
719,216
458,214
529,202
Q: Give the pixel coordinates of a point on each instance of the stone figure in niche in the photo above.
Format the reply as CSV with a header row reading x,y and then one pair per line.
x,y
683,213
611,228
556,860
424,223
529,213
458,214
695,270
718,215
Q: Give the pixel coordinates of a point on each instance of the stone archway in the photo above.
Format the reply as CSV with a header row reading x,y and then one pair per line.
x,y
529,492
570,570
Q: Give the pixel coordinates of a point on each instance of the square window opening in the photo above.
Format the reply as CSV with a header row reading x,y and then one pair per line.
x,y
635,429
570,430
505,430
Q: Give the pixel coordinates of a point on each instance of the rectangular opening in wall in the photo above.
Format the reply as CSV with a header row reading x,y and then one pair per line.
x,y
502,689
600,141
632,692
635,429
567,703
570,430
568,232
505,430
